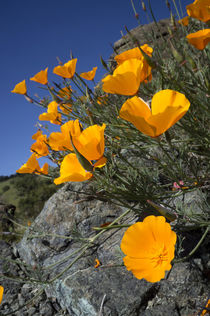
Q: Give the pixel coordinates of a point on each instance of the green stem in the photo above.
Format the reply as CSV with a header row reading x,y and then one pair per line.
x,y
62,260
21,280
110,227
85,247
70,265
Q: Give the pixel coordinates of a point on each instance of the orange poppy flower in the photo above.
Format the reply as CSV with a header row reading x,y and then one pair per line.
x,y
90,75
184,21
65,93
199,39
150,259
72,170
40,146
167,108
199,9
126,78
1,293
20,88
61,141
52,114
32,166
134,53
41,77
67,70
90,143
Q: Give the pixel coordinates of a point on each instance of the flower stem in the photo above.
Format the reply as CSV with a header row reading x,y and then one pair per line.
x,y
194,249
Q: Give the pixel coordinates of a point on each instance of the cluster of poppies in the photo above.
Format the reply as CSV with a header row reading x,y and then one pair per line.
x,y
83,148
200,10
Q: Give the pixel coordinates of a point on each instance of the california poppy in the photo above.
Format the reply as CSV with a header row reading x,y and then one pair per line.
x,y
167,107
184,21
32,166
72,170
41,77
40,147
134,53
149,248
61,140
199,39
67,70
90,143
89,75
126,78
199,9
52,114
20,88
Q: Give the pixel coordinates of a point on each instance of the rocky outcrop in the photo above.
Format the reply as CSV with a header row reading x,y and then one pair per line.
x,y
109,290
148,33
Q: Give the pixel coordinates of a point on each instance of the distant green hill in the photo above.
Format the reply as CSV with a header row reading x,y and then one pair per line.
x,y
27,192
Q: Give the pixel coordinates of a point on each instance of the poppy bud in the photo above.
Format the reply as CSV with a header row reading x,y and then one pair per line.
x,y
163,211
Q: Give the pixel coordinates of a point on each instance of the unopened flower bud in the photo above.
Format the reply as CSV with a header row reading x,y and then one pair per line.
x,y
168,4
143,6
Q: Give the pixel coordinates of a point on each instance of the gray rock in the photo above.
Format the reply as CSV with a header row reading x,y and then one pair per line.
x,y
145,34
82,287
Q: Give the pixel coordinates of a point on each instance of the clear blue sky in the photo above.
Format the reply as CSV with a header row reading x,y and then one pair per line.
x,y
32,34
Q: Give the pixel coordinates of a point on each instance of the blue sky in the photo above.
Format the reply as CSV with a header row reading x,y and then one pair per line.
x,y
33,33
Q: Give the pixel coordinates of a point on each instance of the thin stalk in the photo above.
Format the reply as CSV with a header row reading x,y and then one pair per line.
x,y
22,280
77,85
85,247
110,227
70,265
195,248
27,303
85,84
177,11
154,19
135,12
62,260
